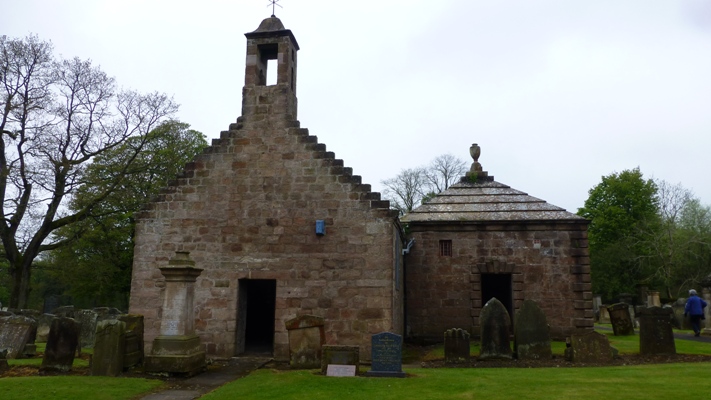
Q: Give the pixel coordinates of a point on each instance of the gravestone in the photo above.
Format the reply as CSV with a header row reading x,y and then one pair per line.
x,y
62,344
4,366
495,331
604,317
655,331
532,338
178,350
109,348
306,336
339,355
456,347
386,355
134,340
43,324
589,347
64,311
51,303
706,293
87,319
622,324
15,332
597,302
341,370
653,299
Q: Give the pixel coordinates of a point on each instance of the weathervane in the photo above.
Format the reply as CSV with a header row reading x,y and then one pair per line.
x,y
274,4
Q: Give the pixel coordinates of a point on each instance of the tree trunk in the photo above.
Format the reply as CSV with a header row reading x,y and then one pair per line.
x,y
20,275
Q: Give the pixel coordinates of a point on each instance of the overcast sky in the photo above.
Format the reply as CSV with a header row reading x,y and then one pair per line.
x,y
557,93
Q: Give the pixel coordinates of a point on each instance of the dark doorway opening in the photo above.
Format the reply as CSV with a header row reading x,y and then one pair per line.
x,y
499,286
255,316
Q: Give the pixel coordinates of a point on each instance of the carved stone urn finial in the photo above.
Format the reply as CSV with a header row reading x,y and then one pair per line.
x,y
475,152
476,172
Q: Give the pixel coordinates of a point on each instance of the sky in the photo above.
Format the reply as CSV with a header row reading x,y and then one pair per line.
x,y
556,93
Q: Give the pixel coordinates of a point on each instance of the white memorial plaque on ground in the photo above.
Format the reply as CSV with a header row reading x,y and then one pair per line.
x,y
340,370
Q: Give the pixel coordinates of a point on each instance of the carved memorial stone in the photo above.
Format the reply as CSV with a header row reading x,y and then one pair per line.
x,y
87,320
339,355
622,324
495,331
456,347
589,347
43,324
62,345
15,333
604,317
386,354
655,331
532,338
109,348
306,337
133,354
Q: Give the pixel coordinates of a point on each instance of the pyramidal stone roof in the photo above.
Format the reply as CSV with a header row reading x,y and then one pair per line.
x,y
479,198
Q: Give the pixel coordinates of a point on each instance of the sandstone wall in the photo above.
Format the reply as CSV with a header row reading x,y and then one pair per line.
x,y
247,209
445,292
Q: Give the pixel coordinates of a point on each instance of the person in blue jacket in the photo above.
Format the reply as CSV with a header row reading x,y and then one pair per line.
x,y
695,308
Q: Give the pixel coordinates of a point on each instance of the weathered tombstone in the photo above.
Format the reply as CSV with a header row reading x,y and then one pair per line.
x,y
109,348
456,347
87,320
134,340
339,355
64,311
306,336
15,332
589,347
341,370
495,331
655,331
62,345
386,355
43,324
177,350
706,293
4,366
597,302
653,300
621,321
604,315
532,338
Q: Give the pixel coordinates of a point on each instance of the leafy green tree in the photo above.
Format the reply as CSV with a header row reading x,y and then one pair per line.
x,y
56,118
95,268
621,208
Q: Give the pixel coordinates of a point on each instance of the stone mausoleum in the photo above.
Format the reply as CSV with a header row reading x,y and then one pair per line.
x,y
481,239
280,228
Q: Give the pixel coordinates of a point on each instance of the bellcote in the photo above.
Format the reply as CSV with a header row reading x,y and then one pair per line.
x,y
271,41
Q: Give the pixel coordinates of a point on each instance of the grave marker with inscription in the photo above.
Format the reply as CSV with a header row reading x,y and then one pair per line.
x,y
386,353
339,355
655,331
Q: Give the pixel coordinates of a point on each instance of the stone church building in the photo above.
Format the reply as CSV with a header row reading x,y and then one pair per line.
x,y
281,228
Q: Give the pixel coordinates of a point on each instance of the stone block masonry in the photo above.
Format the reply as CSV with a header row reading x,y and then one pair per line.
x,y
246,210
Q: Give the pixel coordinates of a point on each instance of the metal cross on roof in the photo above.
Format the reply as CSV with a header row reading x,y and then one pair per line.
x,y
274,4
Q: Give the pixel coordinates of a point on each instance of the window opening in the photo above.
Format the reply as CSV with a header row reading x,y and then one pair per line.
x,y
272,72
445,248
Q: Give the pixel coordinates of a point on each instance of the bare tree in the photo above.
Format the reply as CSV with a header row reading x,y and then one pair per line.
x,y
57,116
405,191
443,171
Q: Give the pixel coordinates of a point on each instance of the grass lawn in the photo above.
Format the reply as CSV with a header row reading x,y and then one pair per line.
x,y
645,382
75,387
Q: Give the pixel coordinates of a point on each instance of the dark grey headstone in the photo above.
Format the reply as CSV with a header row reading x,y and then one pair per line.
x,y
682,322
15,333
655,331
456,347
4,366
386,355
339,355
495,331
532,338
51,303
622,324
589,347
62,345
109,348
87,319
